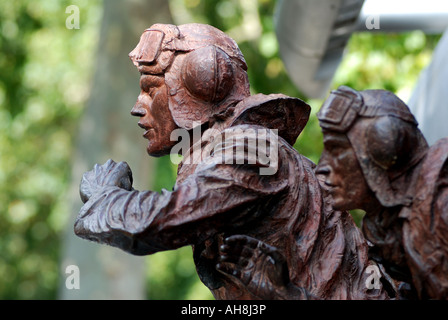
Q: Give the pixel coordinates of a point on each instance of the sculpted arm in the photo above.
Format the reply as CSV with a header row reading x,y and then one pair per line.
x,y
147,222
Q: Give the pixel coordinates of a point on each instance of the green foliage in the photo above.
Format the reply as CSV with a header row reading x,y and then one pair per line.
x,y
387,61
171,275
44,81
45,72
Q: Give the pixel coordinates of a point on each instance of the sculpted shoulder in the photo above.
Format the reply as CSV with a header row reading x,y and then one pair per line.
x,y
286,114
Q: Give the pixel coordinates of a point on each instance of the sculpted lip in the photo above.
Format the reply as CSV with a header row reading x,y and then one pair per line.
x,y
141,125
146,128
145,134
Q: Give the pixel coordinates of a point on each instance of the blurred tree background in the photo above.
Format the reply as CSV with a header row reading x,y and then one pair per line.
x,y
45,78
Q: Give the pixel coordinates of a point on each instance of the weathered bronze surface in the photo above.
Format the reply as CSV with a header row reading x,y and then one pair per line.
x,y
375,158
261,222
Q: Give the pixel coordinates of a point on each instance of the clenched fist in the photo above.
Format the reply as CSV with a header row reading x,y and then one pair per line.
x,y
109,174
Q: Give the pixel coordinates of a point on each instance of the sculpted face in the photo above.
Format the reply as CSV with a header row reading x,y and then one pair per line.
x,y
343,175
155,116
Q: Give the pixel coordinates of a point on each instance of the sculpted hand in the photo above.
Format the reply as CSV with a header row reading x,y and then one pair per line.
x,y
108,174
259,266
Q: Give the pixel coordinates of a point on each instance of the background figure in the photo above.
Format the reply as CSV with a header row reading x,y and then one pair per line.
x,y
375,158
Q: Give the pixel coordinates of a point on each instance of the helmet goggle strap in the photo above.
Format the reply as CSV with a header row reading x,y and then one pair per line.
x,y
340,109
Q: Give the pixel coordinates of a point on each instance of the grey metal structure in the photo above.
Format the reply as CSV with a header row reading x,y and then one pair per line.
x,y
313,34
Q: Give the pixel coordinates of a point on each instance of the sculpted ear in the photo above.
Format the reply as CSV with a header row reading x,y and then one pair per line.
x,y
390,144
207,74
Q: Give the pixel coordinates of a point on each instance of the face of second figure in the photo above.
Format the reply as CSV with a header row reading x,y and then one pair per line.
x,y
155,116
343,175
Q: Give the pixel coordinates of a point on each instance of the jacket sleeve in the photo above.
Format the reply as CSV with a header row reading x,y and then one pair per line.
x,y
216,195
425,226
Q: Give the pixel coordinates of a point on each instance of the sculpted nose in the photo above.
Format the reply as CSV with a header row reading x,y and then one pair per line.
x,y
138,110
323,167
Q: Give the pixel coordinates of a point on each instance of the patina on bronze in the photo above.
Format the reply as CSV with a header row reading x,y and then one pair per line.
x,y
375,158
194,76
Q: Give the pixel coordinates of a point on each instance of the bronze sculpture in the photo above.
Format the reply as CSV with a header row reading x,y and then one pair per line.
x,y
375,158
193,78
